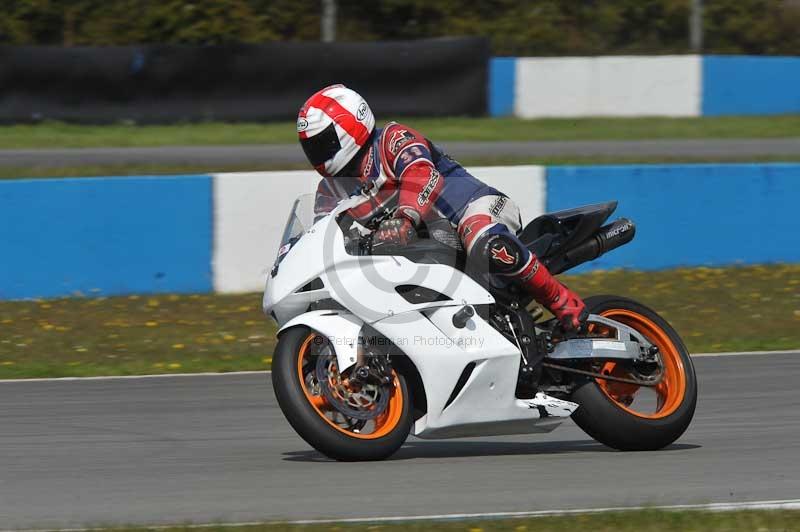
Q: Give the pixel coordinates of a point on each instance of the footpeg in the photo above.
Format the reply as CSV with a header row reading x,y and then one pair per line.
x,y
549,406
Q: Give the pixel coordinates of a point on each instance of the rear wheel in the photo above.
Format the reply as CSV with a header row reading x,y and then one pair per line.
x,y
342,420
630,417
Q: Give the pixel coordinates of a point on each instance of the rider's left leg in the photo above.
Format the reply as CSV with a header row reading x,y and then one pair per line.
x,y
488,231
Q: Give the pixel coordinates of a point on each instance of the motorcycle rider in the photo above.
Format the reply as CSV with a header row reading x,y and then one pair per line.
x,y
397,169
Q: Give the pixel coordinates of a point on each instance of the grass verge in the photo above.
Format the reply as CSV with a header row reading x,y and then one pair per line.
x,y
714,309
60,135
630,521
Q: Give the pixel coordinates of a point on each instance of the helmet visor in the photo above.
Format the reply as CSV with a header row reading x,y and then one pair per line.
x,y
321,147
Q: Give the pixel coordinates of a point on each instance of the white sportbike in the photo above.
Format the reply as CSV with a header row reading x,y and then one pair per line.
x,y
377,342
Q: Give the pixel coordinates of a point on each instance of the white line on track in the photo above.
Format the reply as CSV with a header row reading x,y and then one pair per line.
x,y
790,504
745,353
266,372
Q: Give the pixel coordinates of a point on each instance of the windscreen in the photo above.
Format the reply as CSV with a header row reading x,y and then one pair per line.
x,y
308,208
301,218
335,189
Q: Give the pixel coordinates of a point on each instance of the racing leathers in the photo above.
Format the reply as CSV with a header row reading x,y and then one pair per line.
x,y
402,172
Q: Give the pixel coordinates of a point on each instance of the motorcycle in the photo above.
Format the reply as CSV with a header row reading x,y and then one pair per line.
x,y
378,341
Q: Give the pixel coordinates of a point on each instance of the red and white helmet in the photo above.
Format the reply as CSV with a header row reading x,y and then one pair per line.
x,y
333,125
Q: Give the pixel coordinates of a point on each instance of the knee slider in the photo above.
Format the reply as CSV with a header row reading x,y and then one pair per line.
x,y
499,253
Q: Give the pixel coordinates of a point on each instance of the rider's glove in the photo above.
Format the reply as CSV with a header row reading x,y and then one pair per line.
x,y
395,231
568,308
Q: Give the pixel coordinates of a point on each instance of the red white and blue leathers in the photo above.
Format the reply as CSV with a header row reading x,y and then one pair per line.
x,y
403,172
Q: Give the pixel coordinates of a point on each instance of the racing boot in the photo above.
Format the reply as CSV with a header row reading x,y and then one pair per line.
x,y
565,304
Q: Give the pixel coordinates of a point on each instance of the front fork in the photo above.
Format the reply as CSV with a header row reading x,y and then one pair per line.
x,y
370,367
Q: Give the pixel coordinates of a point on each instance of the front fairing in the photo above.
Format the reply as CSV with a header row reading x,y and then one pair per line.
x,y
285,295
290,287
318,267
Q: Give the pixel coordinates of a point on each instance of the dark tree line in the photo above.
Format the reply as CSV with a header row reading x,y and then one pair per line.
x,y
515,27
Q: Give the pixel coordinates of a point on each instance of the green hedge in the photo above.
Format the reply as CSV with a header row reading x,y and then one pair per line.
x,y
527,27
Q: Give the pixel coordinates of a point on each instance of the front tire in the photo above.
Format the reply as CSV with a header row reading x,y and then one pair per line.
x,y
314,417
609,411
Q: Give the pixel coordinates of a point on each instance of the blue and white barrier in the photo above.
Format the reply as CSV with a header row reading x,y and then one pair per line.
x,y
101,236
687,85
742,85
691,215
203,233
251,211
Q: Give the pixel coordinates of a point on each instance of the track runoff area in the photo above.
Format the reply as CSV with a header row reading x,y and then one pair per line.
x,y
717,442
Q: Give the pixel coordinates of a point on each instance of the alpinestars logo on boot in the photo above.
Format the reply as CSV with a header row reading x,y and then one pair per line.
x,y
501,254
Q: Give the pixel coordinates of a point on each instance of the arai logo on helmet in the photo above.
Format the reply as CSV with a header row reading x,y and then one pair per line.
x,y
302,124
362,112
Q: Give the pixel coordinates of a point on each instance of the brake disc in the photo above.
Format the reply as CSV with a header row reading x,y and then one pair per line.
x,y
365,403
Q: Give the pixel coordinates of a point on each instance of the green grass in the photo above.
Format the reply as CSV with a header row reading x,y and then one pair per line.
x,y
60,135
631,521
730,309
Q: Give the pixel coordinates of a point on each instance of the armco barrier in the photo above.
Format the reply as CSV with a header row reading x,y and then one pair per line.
x,y
250,213
688,85
100,236
106,236
251,210
502,85
736,85
440,77
691,215
607,86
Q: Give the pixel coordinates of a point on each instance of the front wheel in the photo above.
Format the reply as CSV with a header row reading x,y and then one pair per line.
x,y
629,417
342,420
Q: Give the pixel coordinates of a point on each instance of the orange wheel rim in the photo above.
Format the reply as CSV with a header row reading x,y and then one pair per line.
x,y
670,391
385,423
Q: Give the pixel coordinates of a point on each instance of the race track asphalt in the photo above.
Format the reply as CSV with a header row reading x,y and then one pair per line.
x,y
216,448
291,155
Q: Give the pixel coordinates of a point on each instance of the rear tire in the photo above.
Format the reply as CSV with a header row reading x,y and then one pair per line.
x,y
610,421
310,421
